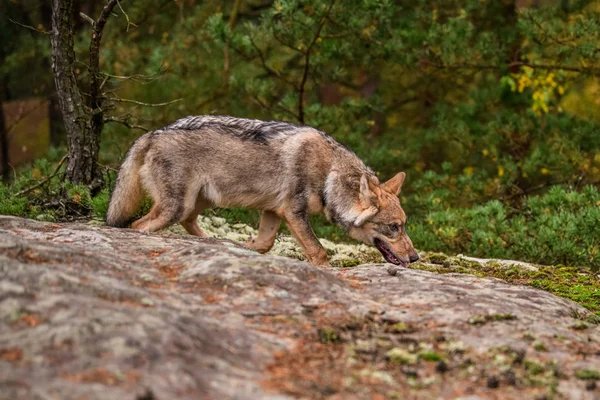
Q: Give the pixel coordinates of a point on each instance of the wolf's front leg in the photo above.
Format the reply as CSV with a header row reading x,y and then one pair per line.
x,y
299,225
267,232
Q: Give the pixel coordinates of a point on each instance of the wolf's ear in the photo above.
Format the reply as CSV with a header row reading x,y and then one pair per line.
x,y
369,191
394,185
369,198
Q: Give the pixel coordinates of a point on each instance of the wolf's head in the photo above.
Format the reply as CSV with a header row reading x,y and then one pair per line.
x,y
382,221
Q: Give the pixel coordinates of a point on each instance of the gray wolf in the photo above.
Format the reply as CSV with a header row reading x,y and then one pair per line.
x,y
287,171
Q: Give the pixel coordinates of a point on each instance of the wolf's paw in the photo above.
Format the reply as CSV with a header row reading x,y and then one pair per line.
x,y
319,258
323,264
256,245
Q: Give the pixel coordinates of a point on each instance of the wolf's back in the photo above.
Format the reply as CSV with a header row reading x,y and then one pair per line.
x,y
127,194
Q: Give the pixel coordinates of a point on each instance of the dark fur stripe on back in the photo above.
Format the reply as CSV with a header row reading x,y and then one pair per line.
x,y
245,129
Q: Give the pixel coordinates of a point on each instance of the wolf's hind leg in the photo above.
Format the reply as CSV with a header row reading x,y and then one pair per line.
x,y
161,215
299,226
137,223
267,231
190,223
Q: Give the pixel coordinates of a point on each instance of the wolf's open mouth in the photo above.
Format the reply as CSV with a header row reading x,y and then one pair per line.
x,y
388,254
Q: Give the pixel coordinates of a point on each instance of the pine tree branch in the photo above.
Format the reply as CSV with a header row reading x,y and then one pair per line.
x,y
307,63
515,64
126,17
281,41
554,67
268,108
270,70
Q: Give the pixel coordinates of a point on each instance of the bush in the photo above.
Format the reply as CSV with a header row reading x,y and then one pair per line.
x,y
11,204
558,227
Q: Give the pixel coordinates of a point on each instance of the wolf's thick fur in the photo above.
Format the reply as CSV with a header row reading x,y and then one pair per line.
x,y
285,170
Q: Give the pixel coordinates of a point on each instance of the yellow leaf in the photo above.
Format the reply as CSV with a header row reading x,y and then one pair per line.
x,y
545,171
500,170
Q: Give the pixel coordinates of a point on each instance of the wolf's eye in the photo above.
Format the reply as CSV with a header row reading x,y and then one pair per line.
x,y
394,228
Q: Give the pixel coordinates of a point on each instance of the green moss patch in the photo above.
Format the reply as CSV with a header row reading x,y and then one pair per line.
x,y
483,319
328,335
588,374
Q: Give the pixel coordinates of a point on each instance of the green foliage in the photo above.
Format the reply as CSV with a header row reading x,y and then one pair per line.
x,y
559,227
40,192
11,204
99,204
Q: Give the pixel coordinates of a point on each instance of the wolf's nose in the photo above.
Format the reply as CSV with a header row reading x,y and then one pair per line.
x,y
414,258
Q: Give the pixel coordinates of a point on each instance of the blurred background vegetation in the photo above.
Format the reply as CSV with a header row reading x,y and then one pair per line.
x,y
490,106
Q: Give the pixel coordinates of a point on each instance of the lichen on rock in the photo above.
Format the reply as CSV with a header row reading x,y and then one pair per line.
x,y
340,254
97,312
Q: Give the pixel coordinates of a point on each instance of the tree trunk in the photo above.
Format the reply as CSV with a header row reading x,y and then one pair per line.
x,y
82,137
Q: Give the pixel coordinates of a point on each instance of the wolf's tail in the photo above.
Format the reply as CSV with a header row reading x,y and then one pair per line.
x,y
127,194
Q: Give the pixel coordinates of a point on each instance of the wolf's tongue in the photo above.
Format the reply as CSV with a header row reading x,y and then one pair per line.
x,y
387,254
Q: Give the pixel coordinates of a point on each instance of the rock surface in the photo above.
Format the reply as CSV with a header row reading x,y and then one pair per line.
x,y
99,313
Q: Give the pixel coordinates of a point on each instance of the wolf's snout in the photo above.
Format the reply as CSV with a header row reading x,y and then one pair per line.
x,y
414,257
